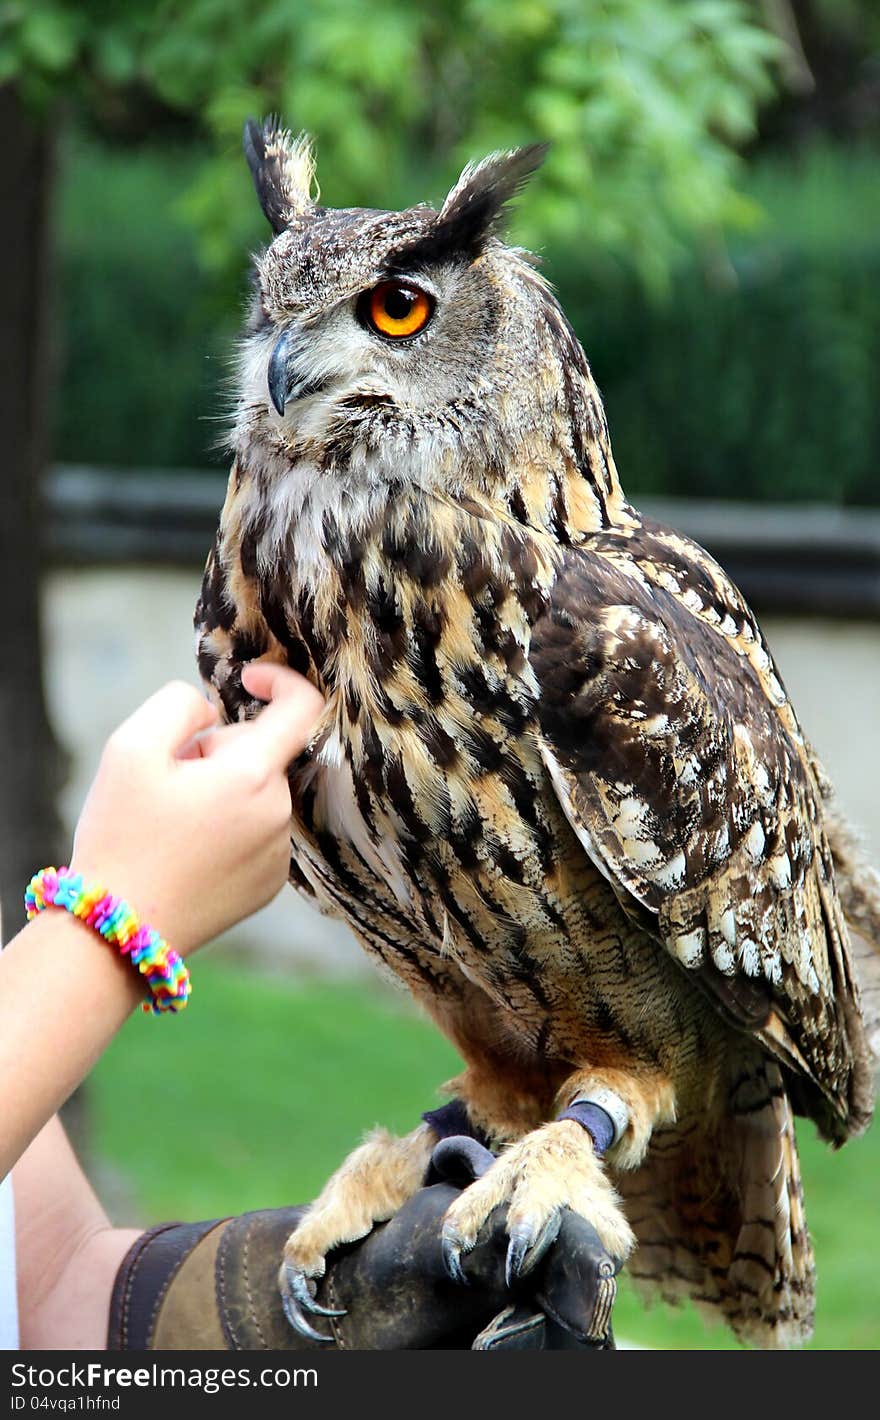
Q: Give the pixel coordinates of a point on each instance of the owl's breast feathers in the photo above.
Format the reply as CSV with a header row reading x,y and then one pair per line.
x,y
481,677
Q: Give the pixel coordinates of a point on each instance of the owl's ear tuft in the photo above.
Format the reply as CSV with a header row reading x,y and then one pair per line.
x,y
283,170
474,209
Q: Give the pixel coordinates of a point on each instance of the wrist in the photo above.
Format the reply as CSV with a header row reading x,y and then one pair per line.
x,y
162,908
76,948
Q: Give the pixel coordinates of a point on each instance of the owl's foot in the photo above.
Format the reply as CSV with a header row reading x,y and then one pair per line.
x,y
373,1183
551,1169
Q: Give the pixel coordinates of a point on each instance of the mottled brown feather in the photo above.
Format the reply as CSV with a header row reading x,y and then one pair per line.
x,y
680,764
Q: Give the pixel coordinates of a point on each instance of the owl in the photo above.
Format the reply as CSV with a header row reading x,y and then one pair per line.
x,y
558,789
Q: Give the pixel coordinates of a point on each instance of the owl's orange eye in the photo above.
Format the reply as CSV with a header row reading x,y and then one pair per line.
x,y
396,309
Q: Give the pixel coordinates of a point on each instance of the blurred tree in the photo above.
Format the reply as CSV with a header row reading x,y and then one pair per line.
x,y
30,762
831,68
645,102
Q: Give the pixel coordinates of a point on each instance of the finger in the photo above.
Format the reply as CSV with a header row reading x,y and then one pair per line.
x,y
287,734
218,740
265,679
195,746
283,729
167,720
191,749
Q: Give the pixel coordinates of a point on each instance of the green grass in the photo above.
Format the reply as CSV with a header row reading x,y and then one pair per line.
x,y
254,1096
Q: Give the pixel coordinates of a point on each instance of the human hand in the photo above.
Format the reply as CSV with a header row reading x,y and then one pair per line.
x,y
190,823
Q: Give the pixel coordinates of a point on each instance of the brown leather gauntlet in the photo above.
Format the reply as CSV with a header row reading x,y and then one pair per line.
x,y
214,1286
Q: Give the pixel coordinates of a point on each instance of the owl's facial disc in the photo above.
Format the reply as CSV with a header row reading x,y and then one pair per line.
x,y
377,323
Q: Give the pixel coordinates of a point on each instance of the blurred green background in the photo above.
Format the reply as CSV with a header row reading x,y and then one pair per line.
x,y
752,373
710,210
710,214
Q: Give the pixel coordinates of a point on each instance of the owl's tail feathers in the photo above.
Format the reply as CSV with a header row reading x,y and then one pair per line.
x,y
719,1217
771,1276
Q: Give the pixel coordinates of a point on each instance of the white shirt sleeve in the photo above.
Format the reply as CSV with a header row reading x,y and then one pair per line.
x,y
8,1300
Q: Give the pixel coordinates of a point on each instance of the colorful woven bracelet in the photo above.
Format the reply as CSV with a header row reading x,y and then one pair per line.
x,y
161,967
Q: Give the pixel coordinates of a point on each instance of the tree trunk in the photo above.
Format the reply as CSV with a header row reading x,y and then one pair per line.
x,y
30,760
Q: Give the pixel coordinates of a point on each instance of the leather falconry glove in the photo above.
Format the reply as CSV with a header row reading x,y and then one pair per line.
x,y
213,1285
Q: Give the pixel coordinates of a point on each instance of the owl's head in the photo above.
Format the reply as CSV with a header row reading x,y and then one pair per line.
x,y
415,336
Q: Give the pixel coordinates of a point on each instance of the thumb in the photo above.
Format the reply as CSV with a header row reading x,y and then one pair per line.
x,y
283,728
267,680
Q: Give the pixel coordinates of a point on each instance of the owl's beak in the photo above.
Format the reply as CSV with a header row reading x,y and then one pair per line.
x,y
285,381
279,371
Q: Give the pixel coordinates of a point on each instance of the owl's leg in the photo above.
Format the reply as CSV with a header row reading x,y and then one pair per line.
x,y
558,1166
373,1183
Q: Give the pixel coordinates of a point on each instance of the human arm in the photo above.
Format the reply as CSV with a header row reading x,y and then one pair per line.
x,y
190,825
68,1253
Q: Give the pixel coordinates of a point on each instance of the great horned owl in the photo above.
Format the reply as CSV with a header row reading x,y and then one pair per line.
x,y
558,789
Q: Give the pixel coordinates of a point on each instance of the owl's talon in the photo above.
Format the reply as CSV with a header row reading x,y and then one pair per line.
x,y
516,1251
528,1245
451,1249
298,1321
298,1284
296,1300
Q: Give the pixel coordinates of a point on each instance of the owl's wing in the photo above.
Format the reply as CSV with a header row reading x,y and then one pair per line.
x,y
681,767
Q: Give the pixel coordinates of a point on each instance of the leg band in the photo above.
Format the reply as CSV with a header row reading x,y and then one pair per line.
x,y
604,1116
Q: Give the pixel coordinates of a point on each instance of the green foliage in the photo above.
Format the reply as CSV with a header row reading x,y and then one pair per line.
x,y
758,382
645,101
824,200
854,21
144,336
277,1082
765,390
